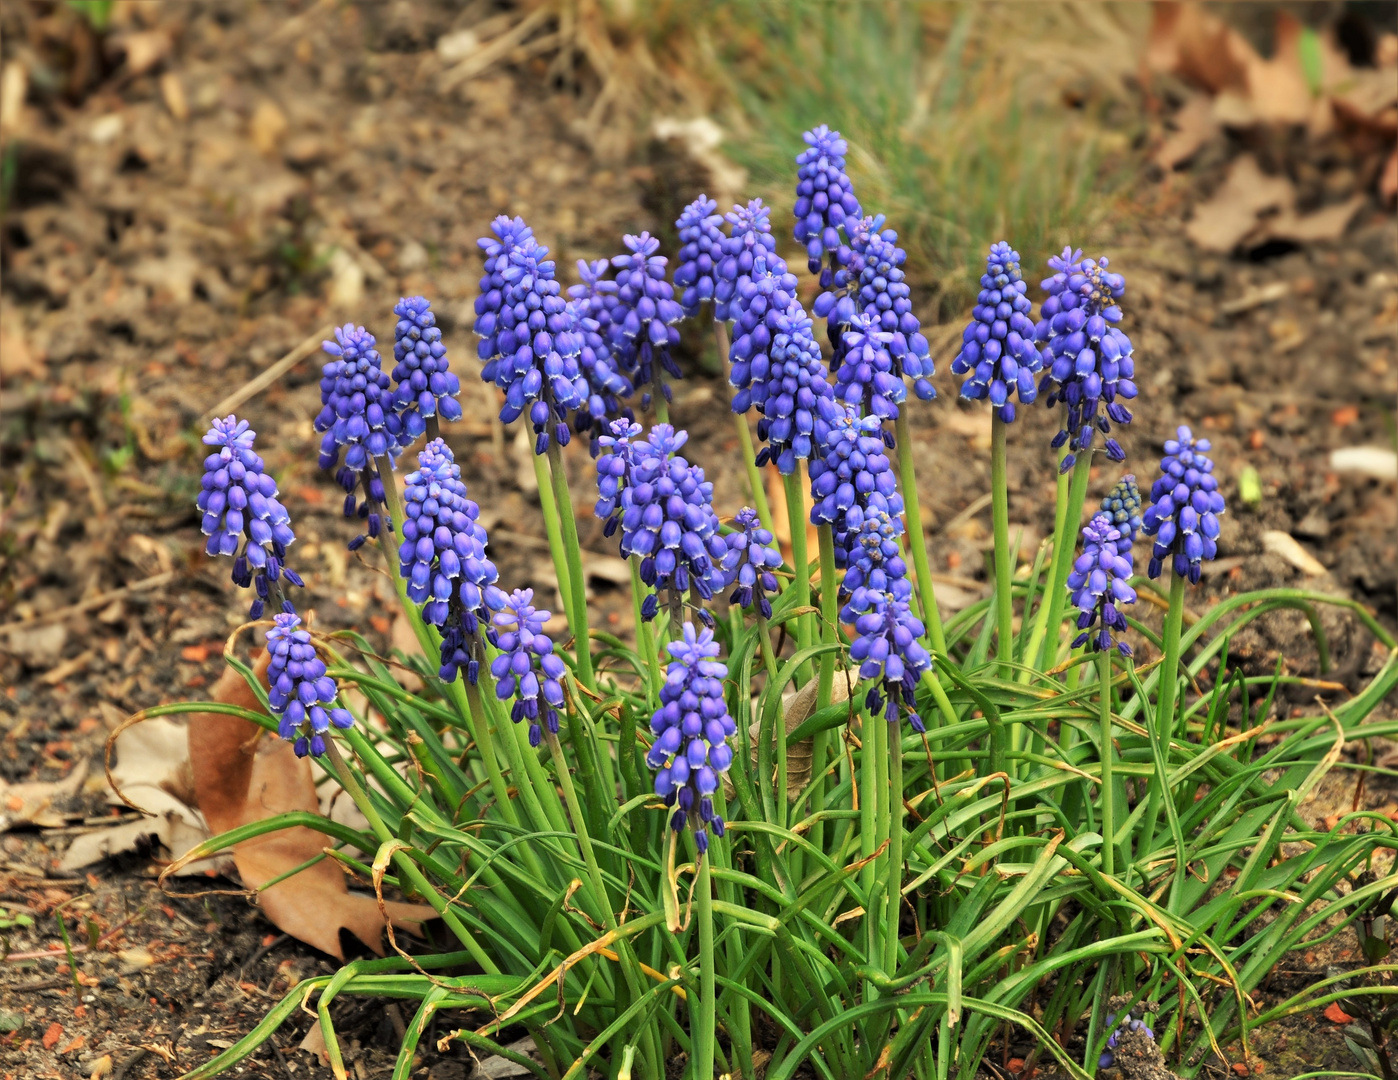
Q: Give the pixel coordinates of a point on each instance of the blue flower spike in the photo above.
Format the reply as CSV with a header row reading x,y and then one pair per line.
x,y
592,305
527,668
301,694
750,563
701,251
359,413
1100,584
824,195
1123,506
750,238
426,388
239,504
997,346
645,317
692,728
1185,507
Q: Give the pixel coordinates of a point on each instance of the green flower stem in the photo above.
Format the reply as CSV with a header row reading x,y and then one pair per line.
x,y
705,1014
408,869
740,424
645,634
917,537
572,556
657,396
829,632
1170,667
1104,676
1044,643
894,812
1004,557
796,520
553,529
871,777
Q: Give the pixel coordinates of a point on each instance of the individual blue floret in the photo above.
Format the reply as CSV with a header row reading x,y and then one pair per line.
x,y
692,728
1185,505
997,347
299,691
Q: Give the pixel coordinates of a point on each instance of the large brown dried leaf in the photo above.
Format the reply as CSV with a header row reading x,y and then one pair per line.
x,y
1199,47
1194,126
240,777
1226,219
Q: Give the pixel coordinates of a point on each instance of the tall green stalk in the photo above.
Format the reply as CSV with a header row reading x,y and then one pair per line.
x,y
572,558
1043,646
740,425
917,537
1170,665
553,531
1004,558
1104,677
705,1026
895,812
796,521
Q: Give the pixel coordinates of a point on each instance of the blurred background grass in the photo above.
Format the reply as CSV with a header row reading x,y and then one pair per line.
x,y
967,123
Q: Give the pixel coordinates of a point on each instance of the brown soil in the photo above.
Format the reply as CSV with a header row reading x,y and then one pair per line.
x,y
152,265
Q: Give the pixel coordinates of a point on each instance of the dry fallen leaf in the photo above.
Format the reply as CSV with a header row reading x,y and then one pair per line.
x,y
29,803
267,126
1194,126
172,90
1285,545
1388,181
1375,461
1231,214
1328,223
1201,48
144,49
241,776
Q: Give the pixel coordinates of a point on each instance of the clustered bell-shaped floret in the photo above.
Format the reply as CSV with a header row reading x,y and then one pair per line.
x,y
997,347
1099,582
591,306
1087,361
701,250
533,344
668,521
776,365
426,387
824,195
852,473
298,689
886,648
691,730
750,238
442,558
872,558
1184,510
885,297
645,316
750,562
239,504
1123,506
527,668
865,379
510,233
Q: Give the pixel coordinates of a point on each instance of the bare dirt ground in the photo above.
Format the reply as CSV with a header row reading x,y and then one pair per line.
x,y
170,234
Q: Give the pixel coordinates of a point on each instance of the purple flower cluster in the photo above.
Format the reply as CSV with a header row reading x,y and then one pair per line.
x,y
591,306
1123,506
239,504
1099,581
527,668
886,648
750,562
528,339
645,315
701,251
824,195
776,365
865,378
691,730
1087,360
442,558
1185,505
997,349
359,412
750,238
885,297
426,387
664,507
298,689
852,473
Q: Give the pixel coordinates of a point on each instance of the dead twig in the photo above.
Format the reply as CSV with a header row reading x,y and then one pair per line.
x,y
255,386
100,600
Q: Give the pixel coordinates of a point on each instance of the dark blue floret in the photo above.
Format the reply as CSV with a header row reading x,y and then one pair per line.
x,y
885,298
239,505
1184,510
1099,581
692,728
750,238
425,385
1086,359
592,305
997,347
1123,506
701,251
527,668
299,691
824,195
750,563
643,326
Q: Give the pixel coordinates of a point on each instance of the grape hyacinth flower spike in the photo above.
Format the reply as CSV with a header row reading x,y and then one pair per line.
x,y
426,388
1123,506
701,251
886,648
645,318
824,195
997,347
442,558
750,238
865,379
591,305
750,563
691,730
239,504
359,413
885,297
1100,581
1087,361
1184,510
527,668
851,477
300,692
